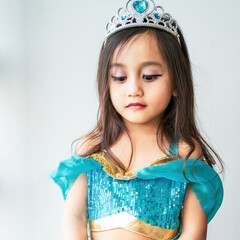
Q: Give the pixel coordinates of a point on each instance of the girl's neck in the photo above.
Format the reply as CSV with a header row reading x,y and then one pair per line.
x,y
142,130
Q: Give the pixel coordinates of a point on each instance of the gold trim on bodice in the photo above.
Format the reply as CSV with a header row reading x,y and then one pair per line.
x,y
112,169
117,172
127,221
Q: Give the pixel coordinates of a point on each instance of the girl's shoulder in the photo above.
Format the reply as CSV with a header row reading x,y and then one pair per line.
x,y
184,148
85,144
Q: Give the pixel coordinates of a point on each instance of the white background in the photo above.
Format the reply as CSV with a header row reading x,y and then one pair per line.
x,y
48,62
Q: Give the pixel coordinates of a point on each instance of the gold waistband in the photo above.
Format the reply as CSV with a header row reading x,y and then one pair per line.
x,y
127,221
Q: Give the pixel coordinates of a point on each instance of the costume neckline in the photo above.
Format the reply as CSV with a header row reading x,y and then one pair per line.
x,y
119,173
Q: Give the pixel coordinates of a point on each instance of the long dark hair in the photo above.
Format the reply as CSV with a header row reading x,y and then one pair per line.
x,y
178,119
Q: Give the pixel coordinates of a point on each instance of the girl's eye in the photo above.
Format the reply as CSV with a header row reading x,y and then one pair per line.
x,y
118,78
151,77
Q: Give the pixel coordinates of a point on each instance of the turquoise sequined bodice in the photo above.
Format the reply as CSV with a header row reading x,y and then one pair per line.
x,y
154,201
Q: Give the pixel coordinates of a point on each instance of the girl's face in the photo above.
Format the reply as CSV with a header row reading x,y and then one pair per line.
x,y
140,74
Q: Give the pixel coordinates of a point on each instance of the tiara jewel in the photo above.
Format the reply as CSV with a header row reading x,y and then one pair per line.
x,y
142,13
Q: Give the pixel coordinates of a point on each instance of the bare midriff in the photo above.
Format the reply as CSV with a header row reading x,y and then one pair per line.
x,y
117,234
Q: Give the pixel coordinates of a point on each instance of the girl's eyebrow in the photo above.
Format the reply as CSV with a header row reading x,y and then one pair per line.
x,y
144,64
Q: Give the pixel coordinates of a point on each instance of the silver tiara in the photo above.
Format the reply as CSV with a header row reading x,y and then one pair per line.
x,y
144,14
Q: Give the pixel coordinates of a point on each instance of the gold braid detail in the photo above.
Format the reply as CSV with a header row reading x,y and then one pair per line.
x,y
112,169
117,172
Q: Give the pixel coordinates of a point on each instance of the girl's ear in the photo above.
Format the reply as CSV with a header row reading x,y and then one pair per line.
x,y
174,92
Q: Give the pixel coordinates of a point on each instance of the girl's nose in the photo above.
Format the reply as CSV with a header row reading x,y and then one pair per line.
x,y
134,87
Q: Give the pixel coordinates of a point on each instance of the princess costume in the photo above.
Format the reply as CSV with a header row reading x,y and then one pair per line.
x,y
148,201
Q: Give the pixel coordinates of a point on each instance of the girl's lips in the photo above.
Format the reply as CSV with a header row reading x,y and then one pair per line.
x,y
137,106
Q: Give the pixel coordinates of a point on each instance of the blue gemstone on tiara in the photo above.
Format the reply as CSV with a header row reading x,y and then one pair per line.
x,y
123,17
157,16
140,6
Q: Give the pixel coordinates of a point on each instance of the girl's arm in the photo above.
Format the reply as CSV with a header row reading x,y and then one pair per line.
x,y
193,218
75,216
75,211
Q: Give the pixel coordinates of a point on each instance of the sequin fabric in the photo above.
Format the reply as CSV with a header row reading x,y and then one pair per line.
x,y
154,201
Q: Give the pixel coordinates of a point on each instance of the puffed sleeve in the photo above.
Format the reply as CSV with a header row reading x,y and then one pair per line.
x,y
204,180
68,170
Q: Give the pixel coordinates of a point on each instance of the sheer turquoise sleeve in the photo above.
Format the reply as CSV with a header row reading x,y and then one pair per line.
x,y
204,181
69,169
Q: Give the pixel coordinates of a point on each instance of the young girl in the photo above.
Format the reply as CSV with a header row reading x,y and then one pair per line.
x,y
145,171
